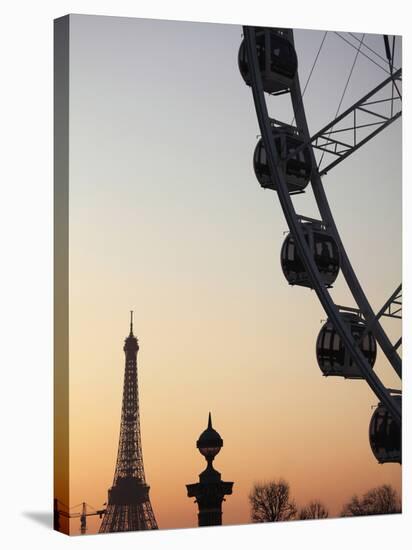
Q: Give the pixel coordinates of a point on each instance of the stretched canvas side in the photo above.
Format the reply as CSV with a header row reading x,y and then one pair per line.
x,y
61,273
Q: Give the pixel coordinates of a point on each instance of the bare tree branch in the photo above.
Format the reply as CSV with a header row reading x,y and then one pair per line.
x,y
271,502
314,510
379,500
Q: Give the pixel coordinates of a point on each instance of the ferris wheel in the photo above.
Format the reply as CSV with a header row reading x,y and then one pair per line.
x,y
286,159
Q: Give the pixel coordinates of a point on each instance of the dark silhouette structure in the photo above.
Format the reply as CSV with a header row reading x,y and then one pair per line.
x,y
323,249
331,353
211,490
385,436
285,159
128,506
62,512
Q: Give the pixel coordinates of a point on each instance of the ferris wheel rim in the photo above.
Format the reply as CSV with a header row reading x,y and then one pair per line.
x,y
292,219
347,269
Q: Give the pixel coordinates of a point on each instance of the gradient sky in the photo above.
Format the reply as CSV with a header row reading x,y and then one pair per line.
x,y
167,218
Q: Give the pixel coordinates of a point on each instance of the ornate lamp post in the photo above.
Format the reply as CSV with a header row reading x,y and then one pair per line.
x,y
209,493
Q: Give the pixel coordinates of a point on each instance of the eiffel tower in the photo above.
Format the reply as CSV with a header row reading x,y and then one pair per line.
x,y
128,505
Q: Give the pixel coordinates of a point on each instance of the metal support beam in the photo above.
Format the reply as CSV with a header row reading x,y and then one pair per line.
x,y
323,139
327,216
295,226
393,307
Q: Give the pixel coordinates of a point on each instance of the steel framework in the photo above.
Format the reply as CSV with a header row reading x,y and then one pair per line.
x,y
361,122
129,507
293,219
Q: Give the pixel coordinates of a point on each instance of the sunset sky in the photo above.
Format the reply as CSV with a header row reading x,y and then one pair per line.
x,y
168,219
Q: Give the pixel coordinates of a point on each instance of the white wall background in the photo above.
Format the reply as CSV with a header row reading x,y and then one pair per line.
x,y
26,272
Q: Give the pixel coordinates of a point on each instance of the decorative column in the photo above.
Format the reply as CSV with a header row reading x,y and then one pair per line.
x,y
209,493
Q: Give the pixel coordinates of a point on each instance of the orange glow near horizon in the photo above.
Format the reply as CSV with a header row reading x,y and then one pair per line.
x,y
268,430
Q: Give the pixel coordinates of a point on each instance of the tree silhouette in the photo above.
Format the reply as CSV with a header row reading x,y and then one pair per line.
x,y
314,510
271,502
379,500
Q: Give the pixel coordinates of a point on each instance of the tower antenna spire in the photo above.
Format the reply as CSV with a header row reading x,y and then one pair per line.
x,y
131,321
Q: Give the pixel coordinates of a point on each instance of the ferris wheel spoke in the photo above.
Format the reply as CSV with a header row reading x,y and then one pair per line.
x,y
327,216
356,47
272,158
393,306
393,309
398,343
366,113
313,253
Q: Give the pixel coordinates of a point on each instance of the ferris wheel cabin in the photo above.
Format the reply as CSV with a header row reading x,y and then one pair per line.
x,y
385,435
277,61
325,254
332,356
296,166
